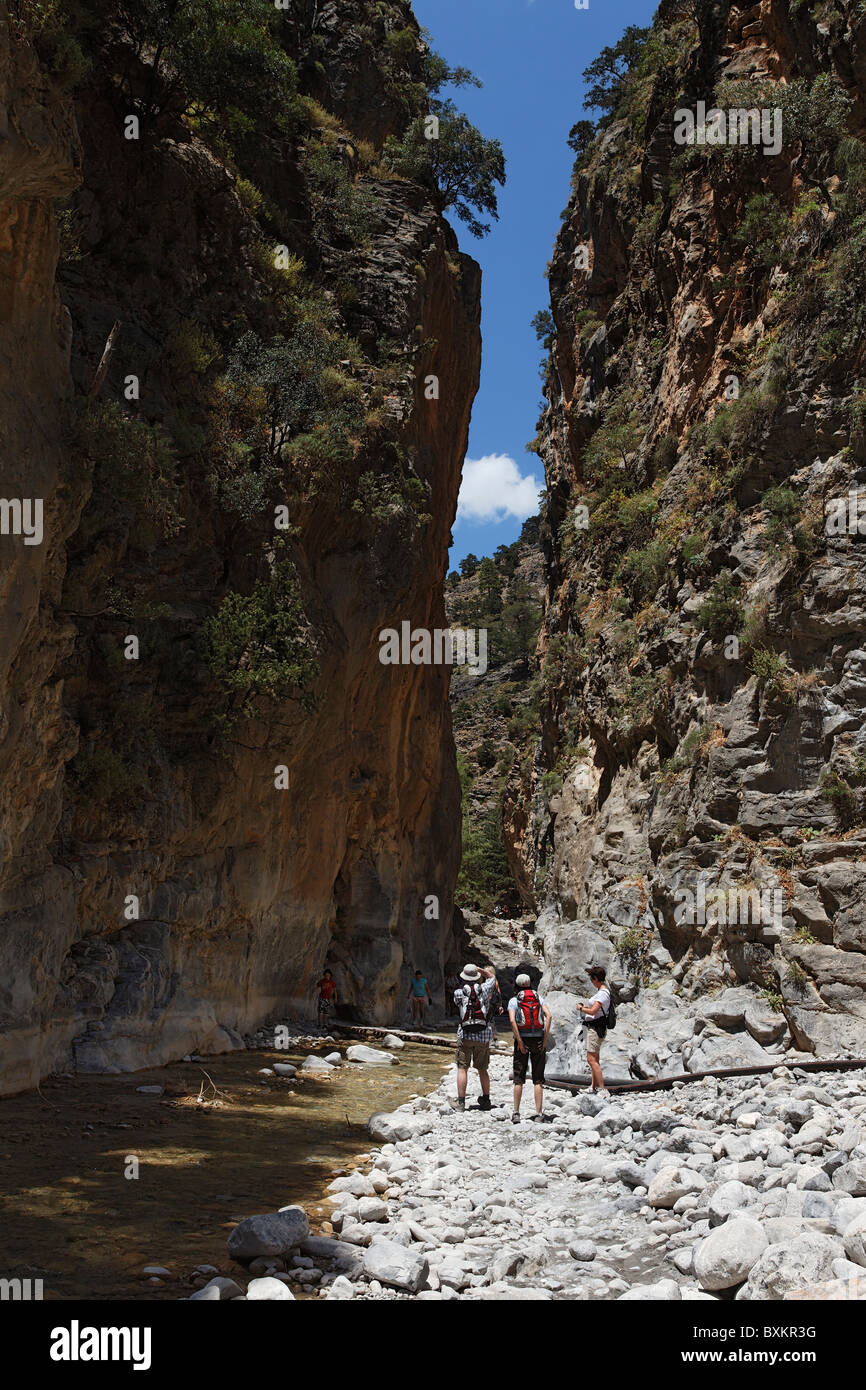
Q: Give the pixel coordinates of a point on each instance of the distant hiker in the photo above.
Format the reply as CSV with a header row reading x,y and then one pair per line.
x,y
530,1023
420,996
594,1018
475,1002
327,1000
451,984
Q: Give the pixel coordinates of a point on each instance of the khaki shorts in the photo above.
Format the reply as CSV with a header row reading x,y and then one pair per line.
x,y
475,1054
593,1042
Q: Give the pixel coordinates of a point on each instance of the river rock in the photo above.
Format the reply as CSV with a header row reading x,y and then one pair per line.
x,y
372,1209
664,1291
391,1040
340,1291
791,1265
851,1177
854,1240
669,1184
315,1066
727,1255
399,1125
396,1265
731,1196
275,1233
269,1290
285,1069
334,1059
209,1294
370,1056
340,1253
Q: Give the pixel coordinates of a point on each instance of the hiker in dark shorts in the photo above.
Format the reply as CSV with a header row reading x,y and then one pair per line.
x,y
530,1023
327,1000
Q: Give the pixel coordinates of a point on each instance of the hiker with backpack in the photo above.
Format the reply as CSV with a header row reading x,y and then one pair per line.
x,y
530,1023
597,1016
475,1001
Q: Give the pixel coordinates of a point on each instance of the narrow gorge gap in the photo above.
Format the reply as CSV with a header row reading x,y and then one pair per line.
x,y
311,664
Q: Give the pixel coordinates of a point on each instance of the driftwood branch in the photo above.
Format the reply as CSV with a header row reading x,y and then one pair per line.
x,y
104,361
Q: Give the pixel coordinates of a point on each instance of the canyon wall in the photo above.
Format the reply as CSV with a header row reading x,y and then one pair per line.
x,y
703,646
191,829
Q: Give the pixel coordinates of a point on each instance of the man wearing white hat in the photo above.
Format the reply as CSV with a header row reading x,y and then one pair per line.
x,y
474,1000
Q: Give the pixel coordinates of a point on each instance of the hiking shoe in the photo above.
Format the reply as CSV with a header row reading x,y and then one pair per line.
x,y
485,1103
460,1103
515,1118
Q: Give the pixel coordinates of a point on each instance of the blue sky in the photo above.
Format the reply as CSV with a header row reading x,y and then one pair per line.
x,y
530,55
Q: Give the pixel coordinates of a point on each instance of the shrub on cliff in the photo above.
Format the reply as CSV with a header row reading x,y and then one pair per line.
x,y
302,393
214,58
260,645
721,612
644,570
133,465
340,212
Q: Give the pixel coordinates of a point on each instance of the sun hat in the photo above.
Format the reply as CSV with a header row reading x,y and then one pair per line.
x,y
471,974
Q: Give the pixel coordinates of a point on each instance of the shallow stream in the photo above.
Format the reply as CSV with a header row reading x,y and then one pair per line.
x,y
70,1216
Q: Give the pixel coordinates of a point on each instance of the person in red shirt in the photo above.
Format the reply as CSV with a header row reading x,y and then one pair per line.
x,y
327,999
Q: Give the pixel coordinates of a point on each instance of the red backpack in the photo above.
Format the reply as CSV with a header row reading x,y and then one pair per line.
x,y
529,1013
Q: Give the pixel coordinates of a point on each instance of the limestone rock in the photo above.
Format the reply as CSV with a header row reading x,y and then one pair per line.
x,y
275,1233
728,1254
396,1265
369,1056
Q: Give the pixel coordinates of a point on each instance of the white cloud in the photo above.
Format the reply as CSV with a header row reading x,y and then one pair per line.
x,y
493,489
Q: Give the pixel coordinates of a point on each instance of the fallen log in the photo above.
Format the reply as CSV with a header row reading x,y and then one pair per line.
x,y
663,1083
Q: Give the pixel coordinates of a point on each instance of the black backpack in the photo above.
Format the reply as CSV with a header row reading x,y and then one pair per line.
x,y
603,1021
474,1016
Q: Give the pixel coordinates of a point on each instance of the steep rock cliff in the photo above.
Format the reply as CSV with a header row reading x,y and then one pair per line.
x,y
705,391
183,848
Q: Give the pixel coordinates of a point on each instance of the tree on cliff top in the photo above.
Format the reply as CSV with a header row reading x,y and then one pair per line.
x,y
606,75
457,160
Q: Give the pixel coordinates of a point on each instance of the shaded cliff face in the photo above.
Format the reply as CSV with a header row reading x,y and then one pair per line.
x,y
705,393
193,827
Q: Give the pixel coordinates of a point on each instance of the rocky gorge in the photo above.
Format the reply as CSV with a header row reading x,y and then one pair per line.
x,y
701,707
211,785
240,346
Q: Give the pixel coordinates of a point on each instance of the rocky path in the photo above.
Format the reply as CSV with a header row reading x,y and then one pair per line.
x,y
751,1187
